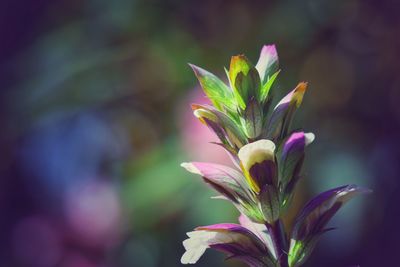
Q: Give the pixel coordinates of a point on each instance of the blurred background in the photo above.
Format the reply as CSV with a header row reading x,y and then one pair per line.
x,y
95,119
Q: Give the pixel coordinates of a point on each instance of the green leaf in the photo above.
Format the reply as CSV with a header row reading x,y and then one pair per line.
x,y
269,201
267,86
300,251
215,89
239,64
252,121
239,68
248,85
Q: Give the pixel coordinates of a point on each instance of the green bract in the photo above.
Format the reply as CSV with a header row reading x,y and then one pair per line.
x,y
246,100
216,90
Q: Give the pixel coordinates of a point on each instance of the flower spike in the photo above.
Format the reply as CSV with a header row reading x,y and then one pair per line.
x,y
268,157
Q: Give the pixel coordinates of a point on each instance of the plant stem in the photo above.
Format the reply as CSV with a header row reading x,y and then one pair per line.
x,y
279,240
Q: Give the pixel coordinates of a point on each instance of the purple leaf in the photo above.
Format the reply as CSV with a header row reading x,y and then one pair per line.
x,y
260,230
225,180
281,117
292,156
223,126
311,221
318,211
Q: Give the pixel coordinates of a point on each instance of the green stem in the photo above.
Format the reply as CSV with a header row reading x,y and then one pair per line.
x,y
279,241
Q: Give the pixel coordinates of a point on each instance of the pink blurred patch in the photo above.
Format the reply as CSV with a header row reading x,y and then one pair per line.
x,y
36,242
94,214
75,259
196,137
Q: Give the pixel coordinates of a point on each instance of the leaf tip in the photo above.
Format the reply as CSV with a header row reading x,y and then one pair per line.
x,y
190,167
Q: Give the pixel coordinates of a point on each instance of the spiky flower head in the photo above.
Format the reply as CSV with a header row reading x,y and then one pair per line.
x,y
268,158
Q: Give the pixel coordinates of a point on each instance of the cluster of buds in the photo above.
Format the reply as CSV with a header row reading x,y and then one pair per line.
x,y
267,157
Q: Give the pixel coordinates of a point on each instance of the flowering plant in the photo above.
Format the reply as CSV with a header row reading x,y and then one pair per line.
x,y
268,158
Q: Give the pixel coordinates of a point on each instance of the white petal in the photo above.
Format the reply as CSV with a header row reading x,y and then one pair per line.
x,y
309,137
193,255
196,245
200,240
256,152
